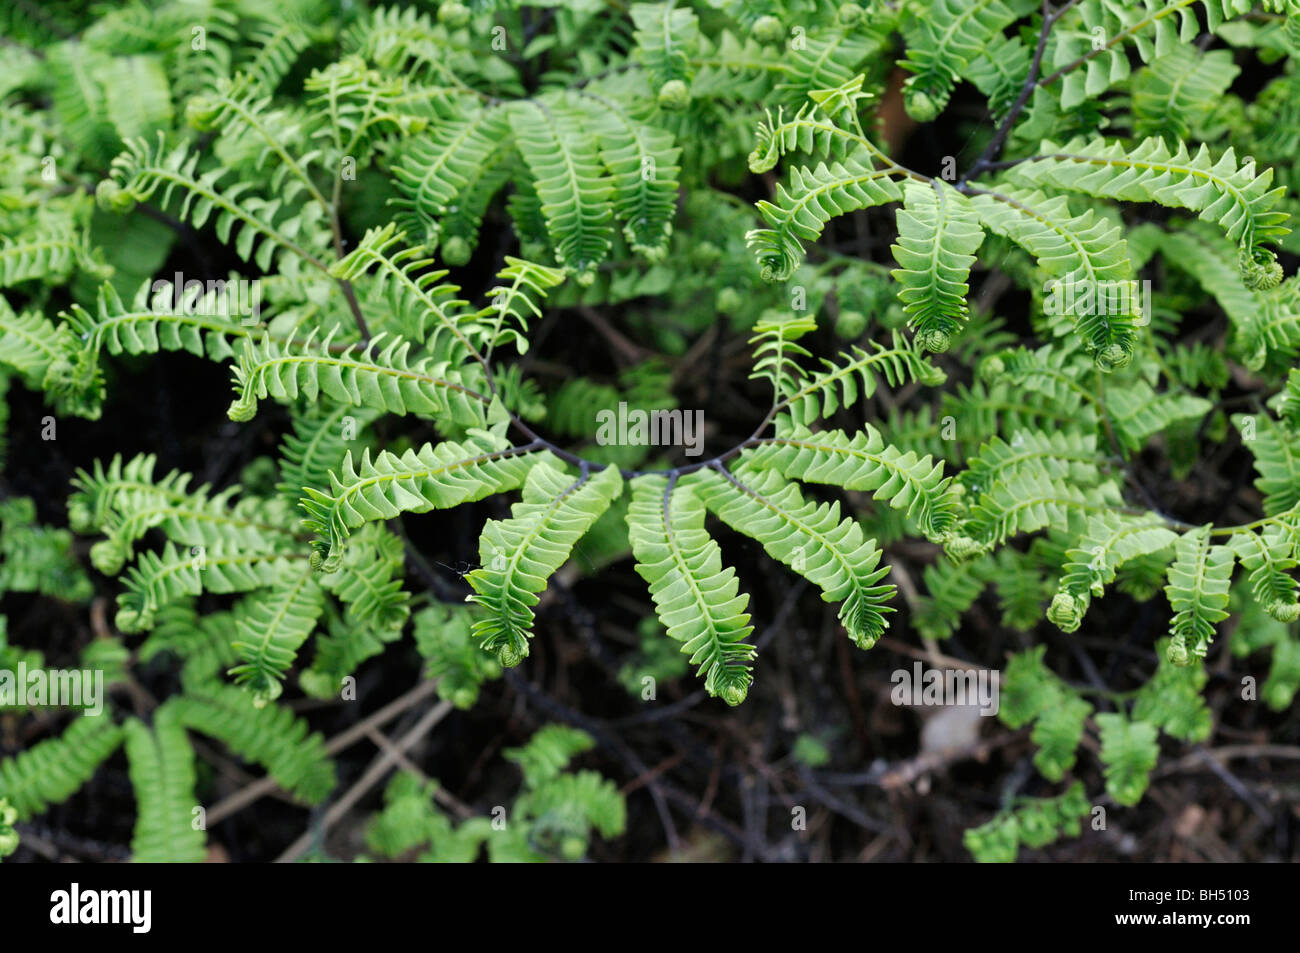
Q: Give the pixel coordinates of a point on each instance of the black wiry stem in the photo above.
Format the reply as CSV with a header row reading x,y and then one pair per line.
x,y
985,162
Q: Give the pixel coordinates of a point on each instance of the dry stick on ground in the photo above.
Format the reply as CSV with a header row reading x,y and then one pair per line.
x,y
380,766
264,786
904,774
632,352
935,657
1197,759
440,794
1237,788
900,773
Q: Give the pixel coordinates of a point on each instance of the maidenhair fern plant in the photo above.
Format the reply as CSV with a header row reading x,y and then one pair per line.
x,y
664,172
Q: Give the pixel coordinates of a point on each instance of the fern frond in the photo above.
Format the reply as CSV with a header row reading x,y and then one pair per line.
x,y
50,771
1028,500
1108,540
1023,584
369,584
1277,461
138,95
524,286
951,587
572,802
695,598
1129,751
278,43
9,837
203,322
910,483
942,39
812,130
402,277
1179,90
280,231
410,818
381,375
1171,700
938,234
1287,403
29,343
50,255
858,374
813,198
823,62
360,107
36,558
1137,412
407,41
79,100
1149,25
1062,454
548,752
98,494
642,164
520,554
321,437
269,638
1261,319
576,196
436,173
1224,191
666,36
1029,688
1057,732
444,638
1079,249
812,539
1000,71
154,581
271,736
201,643
193,519
1198,593
433,477
775,350
1031,692
1268,557
1035,822
163,778
241,105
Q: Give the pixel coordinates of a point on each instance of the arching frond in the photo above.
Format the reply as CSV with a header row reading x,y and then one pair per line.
x,y
1198,593
814,197
521,553
938,234
696,599
163,778
831,553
